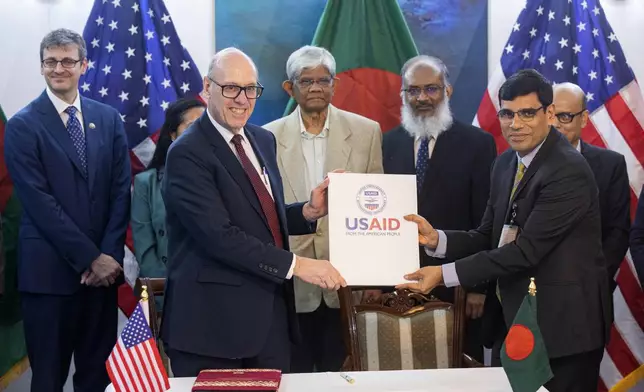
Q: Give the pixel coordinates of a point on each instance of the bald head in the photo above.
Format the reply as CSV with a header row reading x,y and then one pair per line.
x,y
571,115
230,57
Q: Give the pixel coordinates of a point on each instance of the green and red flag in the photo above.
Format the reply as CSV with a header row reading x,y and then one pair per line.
x,y
370,41
523,355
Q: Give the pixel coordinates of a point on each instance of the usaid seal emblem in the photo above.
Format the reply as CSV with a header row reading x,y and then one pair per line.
x,y
371,199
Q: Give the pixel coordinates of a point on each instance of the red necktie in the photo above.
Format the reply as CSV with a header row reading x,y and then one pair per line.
x,y
265,199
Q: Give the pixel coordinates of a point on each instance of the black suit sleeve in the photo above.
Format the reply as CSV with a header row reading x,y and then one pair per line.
x,y
637,237
617,218
187,181
481,189
297,224
563,201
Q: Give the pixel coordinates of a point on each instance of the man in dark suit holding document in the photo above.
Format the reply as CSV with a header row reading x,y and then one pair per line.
x,y
542,220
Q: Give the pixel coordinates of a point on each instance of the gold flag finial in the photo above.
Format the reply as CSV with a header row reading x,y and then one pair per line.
x,y
532,288
144,293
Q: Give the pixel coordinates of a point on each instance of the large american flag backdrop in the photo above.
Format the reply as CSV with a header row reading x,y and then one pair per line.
x,y
138,65
572,41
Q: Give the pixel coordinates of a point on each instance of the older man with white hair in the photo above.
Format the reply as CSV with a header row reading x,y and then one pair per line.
x,y
229,296
313,140
451,161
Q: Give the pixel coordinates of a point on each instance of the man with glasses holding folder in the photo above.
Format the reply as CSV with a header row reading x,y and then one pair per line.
x,y
229,300
542,220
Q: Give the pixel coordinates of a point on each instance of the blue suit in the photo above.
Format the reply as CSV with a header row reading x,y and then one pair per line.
x,y
69,219
227,301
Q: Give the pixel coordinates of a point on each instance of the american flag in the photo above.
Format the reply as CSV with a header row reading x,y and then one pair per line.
x,y
572,41
138,65
135,364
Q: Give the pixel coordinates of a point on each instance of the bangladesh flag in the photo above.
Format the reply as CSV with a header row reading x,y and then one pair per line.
x,y
12,344
370,41
523,355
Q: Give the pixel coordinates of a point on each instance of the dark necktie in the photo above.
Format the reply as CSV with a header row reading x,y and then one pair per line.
x,y
265,199
421,163
78,137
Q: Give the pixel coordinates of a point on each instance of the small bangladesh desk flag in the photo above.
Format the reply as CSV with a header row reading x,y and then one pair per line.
x,y
523,355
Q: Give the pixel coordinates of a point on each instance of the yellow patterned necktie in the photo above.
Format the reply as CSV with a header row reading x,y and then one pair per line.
x,y
517,180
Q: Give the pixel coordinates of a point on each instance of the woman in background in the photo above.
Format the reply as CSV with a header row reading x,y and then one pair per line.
x,y
148,210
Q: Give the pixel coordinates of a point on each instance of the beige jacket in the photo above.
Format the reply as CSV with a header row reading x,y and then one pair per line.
x,y
354,145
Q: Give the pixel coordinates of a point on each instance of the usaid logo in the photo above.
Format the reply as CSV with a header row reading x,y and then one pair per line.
x,y
371,199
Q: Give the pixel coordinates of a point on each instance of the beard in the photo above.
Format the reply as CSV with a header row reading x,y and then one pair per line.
x,y
427,126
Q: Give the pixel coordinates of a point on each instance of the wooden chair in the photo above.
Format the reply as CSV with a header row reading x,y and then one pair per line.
x,y
403,330
155,287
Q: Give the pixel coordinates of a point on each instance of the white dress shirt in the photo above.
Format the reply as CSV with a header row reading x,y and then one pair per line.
x,y
450,277
250,153
314,151
61,105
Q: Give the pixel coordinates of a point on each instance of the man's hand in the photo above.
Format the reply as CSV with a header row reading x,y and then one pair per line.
x,y
474,305
89,278
318,204
427,235
426,279
318,272
103,271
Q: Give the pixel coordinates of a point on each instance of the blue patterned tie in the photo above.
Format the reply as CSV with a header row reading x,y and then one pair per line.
x,y
78,137
421,163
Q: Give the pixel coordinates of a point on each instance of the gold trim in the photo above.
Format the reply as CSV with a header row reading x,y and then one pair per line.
x,y
14,373
268,384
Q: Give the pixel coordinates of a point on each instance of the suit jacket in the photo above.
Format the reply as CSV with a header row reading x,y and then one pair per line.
x,y
559,244
148,224
609,168
637,238
457,179
224,271
2,261
68,220
354,144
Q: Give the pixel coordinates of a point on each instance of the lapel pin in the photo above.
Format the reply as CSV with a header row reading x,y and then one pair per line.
x,y
92,126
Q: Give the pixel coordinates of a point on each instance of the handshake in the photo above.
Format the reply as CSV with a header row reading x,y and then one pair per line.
x,y
318,272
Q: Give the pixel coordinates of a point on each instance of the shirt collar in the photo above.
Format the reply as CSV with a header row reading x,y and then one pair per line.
x,y
578,147
61,105
527,159
305,133
225,133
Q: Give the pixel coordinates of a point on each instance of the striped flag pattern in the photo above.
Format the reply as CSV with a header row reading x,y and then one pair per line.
x,y
135,364
572,41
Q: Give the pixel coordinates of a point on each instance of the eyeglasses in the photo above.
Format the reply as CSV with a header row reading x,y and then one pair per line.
x,y
566,117
232,91
66,63
507,115
433,90
305,83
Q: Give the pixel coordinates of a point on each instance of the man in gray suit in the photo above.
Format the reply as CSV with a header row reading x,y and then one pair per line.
x,y
312,141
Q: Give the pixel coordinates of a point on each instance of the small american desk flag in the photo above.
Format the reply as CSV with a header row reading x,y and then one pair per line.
x,y
135,364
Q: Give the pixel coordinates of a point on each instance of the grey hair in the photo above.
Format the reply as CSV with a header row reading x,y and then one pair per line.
x,y
575,89
428,61
218,58
309,57
63,37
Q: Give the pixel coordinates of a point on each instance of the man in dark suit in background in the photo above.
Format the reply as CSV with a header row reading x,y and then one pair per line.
x,y
229,298
69,161
543,190
609,168
452,163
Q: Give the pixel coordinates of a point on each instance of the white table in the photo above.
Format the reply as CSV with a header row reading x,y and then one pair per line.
x,y
442,380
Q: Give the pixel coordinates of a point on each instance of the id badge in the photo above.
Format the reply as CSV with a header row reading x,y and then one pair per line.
x,y
508,234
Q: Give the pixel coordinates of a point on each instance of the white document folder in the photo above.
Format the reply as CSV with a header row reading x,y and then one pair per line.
x,y
369,241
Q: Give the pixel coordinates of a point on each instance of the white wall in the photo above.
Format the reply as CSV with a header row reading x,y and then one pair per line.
x,y
23,23
626,17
